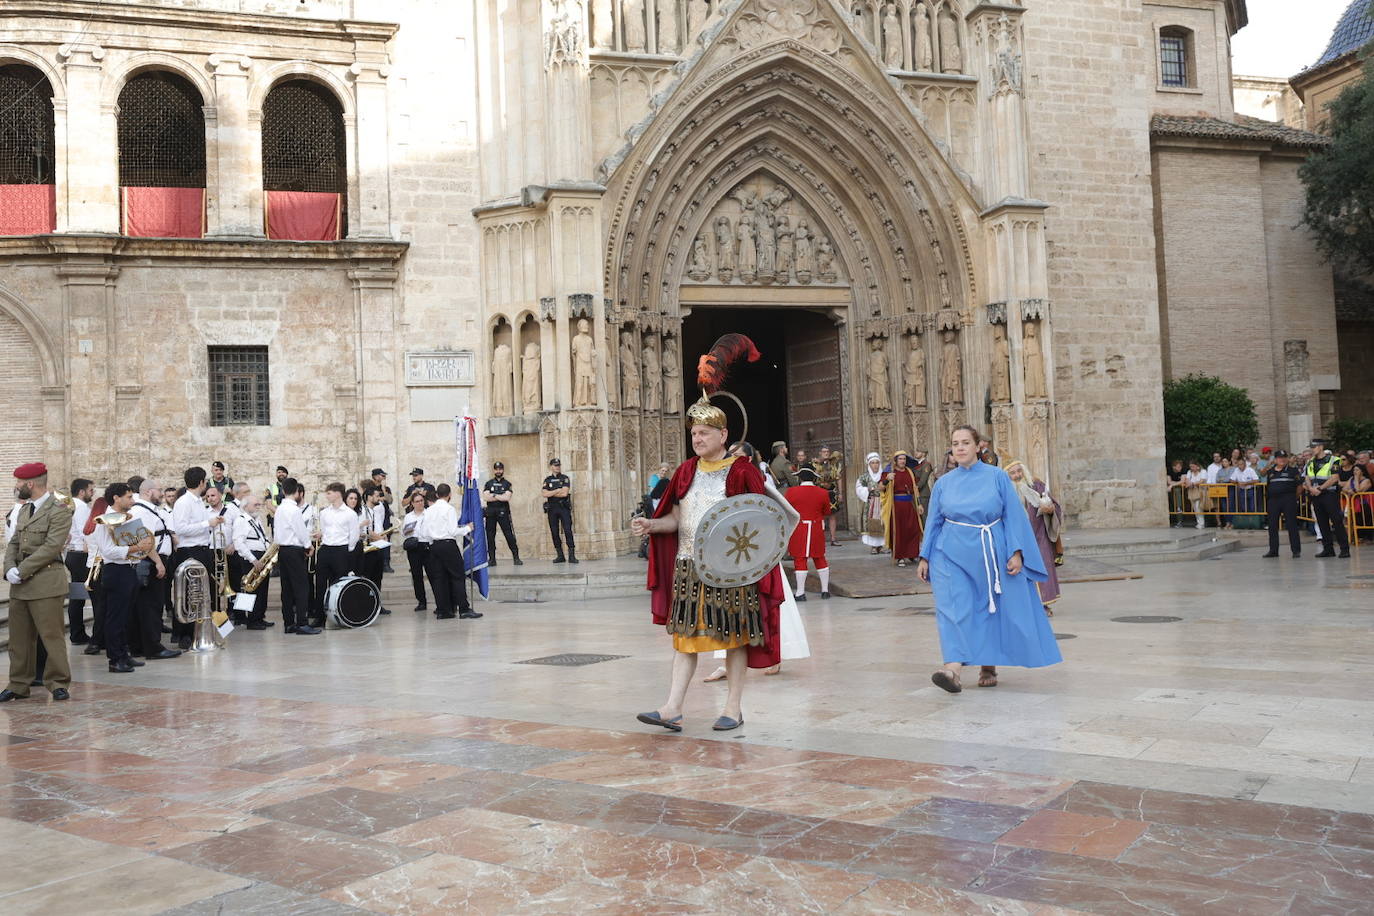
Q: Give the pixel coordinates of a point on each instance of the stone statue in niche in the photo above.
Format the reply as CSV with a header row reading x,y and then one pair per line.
x,y
608,368
925,51
603,25
767,244
584,366
632,24
672,377
915,373
785,248
531,380
699,267
951,369
697,13
1035,360
877,377
725,249
563,38
629,371
1001,364
892,38
951,60
825,261
805,264
502,381
666,14
653,379
747,257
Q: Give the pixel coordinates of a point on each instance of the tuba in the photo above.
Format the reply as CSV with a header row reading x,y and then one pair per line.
x,y
193,601
260,571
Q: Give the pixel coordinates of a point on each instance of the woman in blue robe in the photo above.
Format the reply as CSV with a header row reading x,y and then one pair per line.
x,y
982,560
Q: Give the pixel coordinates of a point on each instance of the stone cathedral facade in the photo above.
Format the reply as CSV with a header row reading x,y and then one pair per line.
x,y
927,212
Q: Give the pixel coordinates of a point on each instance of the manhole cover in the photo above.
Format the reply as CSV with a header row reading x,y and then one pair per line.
x,y
1065,636
1146,618
570,659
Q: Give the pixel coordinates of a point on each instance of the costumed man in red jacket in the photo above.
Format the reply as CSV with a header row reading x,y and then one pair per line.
x,y
701,618
808,538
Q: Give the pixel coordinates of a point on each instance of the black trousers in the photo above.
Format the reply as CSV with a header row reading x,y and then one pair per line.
x,y
238,568
1285,507
76,607
295,586
146,628
331,565
503,519
372,566
206,556
1327,510
416,557
447,577
560,516
118,583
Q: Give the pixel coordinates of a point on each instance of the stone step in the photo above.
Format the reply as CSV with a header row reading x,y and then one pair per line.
x,y
1132,547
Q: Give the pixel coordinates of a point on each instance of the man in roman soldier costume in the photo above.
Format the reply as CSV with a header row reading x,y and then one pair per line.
x,y
702,617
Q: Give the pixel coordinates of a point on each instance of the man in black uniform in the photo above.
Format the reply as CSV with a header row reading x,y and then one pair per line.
x,y
1323,484
496,495
417,482
1282,500
558,507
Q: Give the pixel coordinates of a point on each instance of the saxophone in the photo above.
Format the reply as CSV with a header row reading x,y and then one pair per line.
x,y
260,571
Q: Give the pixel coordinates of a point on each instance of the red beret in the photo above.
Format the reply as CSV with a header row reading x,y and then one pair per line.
x,y
31,470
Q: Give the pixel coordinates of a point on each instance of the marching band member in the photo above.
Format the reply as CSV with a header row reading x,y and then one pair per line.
x,y
192,522
292,538
447,576
376,518
76,558
415,545
151,595
339,534
118,580
250,543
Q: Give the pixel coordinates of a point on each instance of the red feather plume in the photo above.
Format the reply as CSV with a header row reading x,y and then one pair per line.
x,y
729,349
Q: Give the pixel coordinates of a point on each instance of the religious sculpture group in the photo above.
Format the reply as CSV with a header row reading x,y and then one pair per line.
x,y
760,234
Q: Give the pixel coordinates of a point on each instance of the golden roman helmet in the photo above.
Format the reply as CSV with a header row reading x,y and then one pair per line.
x,y
704,413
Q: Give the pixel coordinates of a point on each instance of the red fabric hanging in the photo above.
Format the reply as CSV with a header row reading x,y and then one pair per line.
x,y
164,213
28,209
303,216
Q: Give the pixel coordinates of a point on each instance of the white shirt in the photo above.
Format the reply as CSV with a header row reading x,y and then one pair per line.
x,y
12,520
376,526
103,546
191,521
1246,475
339,527
412,526
288,526
248,537
1212,470
155,519
81,513
441,522
1195,480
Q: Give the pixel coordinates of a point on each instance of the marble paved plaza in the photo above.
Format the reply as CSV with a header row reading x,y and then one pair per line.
x,y
1223,763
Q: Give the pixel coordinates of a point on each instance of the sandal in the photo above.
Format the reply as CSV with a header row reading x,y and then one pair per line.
x,y
776,669
947,680
656,718
717,675
987,676
1050,613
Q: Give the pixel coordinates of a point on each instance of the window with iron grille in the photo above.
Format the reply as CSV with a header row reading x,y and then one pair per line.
x,y
303,143
26,126
1173,57
161,132
239,387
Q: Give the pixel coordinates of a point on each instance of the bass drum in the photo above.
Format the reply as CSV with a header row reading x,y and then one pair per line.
x,y
352,602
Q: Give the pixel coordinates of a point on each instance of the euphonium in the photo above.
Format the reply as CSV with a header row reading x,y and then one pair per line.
x,y
260,571
375,540
193,602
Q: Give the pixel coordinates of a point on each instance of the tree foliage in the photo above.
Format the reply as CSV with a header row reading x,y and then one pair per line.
x,y
1340,180
1344,434
1203,414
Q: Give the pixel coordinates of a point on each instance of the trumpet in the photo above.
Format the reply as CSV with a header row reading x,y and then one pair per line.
x,y
94,573
375,540
315,534
260,571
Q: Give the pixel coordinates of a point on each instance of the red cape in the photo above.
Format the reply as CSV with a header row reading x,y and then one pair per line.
x,y
743,477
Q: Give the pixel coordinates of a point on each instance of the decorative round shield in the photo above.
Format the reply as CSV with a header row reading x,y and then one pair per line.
x,y
739,540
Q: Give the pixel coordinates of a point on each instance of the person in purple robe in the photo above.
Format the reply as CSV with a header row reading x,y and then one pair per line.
x,y
1046,520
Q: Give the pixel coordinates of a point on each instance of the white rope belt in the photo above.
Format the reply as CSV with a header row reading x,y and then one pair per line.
x,y
989,547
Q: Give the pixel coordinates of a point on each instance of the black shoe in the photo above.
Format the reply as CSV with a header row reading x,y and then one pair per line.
x,y
560,559
291,629
36,682
121,667
572,558
825,595
518,562
61,694
386,611
240,621
268,623
449,616
165,653
184,643
7,695
256,626
308,631
1297,556
93,649
317,623
1270,555
799,598
1344,554
492,562
166,629
387,568
469,615
1326,553
421,607
80,639
133,661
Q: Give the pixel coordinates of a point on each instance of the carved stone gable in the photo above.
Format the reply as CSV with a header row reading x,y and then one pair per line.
x,y
761,22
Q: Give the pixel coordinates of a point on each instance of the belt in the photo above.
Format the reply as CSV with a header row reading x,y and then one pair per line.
x,y
445,541
989,547
905,498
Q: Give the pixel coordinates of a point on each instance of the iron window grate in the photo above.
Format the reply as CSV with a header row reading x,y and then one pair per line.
x,y
303,141
239,387
161,133
570,659
1173,58
26,126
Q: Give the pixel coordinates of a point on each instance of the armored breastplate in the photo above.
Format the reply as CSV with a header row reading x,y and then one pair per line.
x,y
708,488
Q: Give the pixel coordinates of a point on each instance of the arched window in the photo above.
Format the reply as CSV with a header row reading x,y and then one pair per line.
x,y
27,198
161,156
304,163
1176,68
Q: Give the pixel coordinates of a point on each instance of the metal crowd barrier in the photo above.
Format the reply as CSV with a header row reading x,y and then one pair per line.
x,y
1224,503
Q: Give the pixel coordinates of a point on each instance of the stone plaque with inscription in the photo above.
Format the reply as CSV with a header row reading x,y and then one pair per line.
x,y
440,368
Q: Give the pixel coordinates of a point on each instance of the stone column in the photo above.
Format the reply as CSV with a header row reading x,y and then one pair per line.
x,y
373,203
1300,394
567,82
92,187
379,393
999,65
235,206
97,359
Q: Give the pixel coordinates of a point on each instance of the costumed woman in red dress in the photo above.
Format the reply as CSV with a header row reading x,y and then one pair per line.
x,y
901,519
743,621
812,502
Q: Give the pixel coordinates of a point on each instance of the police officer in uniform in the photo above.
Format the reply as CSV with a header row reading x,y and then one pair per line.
x,y
39,584
496,495
558,507
1323,484
1282,500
